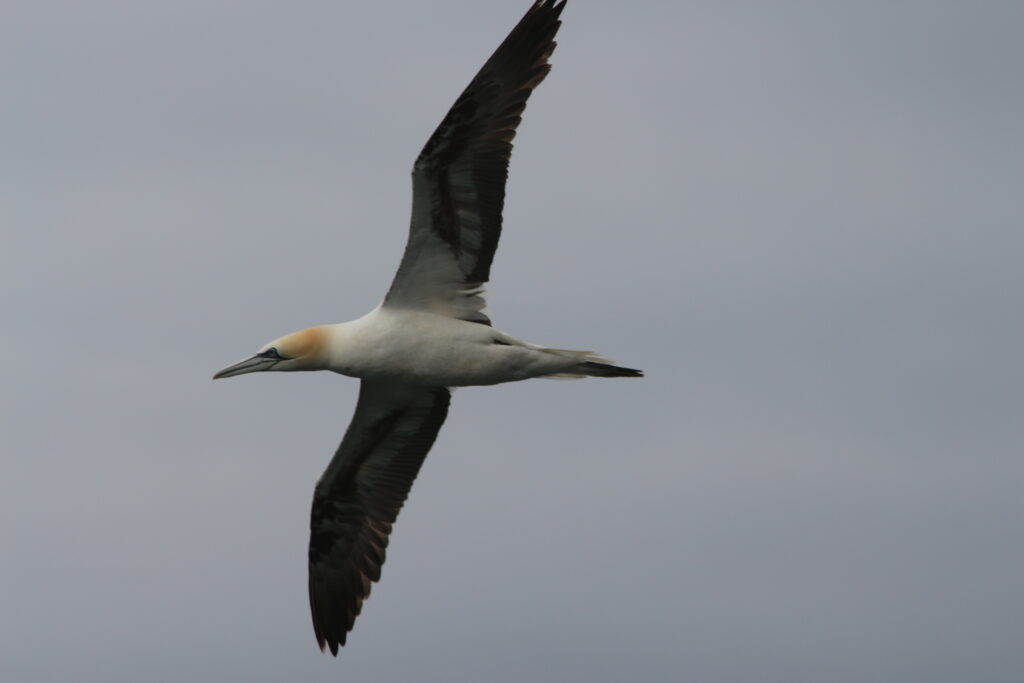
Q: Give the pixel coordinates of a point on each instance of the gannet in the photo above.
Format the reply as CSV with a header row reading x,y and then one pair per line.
x,y
430,333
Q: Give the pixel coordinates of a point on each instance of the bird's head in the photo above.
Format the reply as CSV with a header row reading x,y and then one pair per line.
x,y
302,350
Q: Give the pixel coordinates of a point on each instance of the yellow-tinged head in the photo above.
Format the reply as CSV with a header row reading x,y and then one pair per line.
x,y
302,350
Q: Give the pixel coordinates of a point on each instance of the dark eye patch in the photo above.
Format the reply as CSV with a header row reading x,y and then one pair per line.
x,y
271,353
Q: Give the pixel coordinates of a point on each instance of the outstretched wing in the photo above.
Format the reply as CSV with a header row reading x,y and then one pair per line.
x,y
458,180
359,495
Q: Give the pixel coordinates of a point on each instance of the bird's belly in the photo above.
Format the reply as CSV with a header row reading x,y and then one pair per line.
x,y
456,363
440,352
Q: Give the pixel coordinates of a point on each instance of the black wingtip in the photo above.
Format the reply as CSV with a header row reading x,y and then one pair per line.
x,y
327,645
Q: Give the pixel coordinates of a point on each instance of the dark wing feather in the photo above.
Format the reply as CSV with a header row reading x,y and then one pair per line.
x,y
359,496
459,177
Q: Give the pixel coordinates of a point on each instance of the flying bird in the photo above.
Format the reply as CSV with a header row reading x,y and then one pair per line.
x,y
428,335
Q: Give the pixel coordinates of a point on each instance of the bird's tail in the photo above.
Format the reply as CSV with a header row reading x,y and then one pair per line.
x,y
589,364
592,368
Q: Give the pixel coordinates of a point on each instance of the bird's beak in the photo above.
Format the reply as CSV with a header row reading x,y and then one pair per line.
x,y
254,364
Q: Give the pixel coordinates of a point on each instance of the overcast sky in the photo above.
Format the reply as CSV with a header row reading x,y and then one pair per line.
x,y
802,219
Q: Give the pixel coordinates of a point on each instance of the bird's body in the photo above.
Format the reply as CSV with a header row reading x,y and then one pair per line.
x,y
429,334
427,349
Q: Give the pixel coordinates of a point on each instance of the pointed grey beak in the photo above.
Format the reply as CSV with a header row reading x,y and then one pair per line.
x,y
254,364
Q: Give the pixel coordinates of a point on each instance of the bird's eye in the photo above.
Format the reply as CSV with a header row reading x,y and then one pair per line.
x,y
271,353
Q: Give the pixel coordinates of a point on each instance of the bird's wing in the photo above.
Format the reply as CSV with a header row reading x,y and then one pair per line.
x,y
359,495
459,178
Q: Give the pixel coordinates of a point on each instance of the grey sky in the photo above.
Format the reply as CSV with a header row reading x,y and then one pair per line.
x,y
802,219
